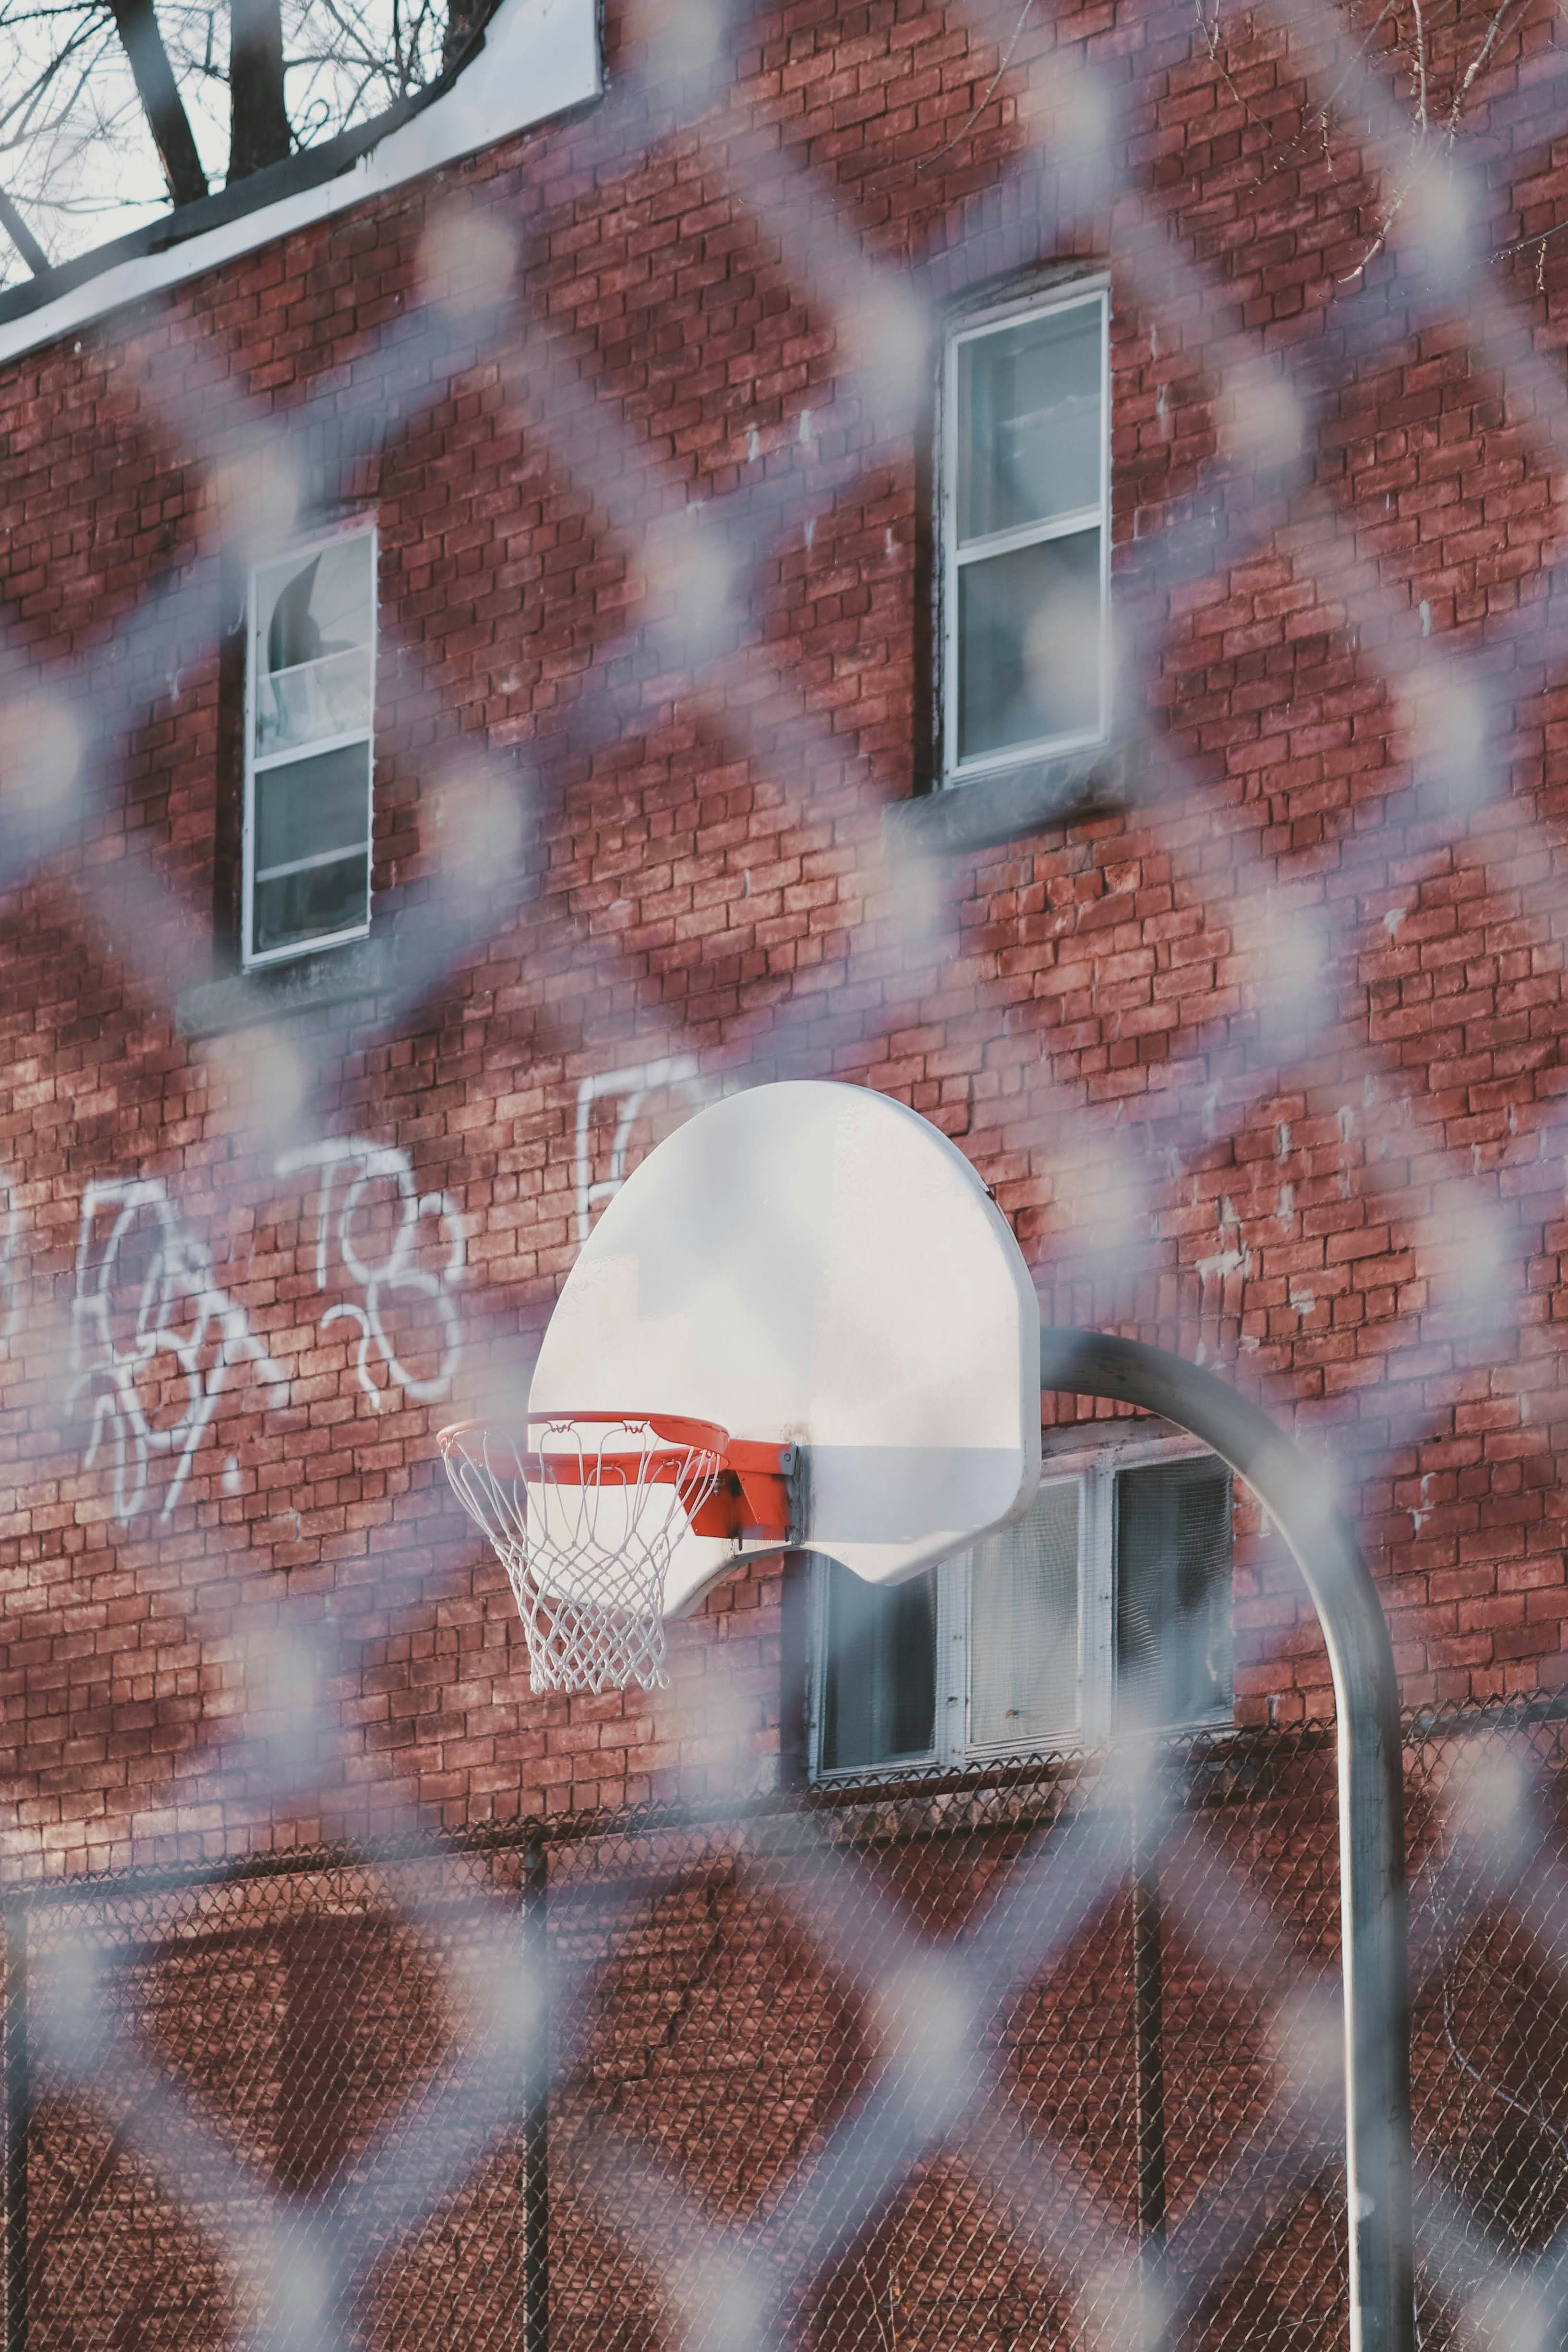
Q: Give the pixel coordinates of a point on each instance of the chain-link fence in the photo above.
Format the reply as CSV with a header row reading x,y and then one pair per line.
x,y
1043,2056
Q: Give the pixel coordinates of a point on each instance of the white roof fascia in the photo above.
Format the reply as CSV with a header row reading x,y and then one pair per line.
x,y
539,56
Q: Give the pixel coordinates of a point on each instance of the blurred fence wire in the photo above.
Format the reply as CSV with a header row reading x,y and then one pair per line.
x,y
1046,2056
1041,2056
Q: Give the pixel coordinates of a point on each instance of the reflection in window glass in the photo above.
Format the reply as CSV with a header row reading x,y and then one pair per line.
x,y
1027,535
308,758
1029,643
1022,1626
1106,1608
315,618
316,902
309,807
1029,404
879,1687
1172,1593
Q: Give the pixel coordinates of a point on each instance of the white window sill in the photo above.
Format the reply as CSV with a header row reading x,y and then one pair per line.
x,y
1009,803
977,1765
274,992
1182,1747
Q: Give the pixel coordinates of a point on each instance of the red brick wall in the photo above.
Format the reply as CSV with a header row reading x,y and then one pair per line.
x,y
1249,1069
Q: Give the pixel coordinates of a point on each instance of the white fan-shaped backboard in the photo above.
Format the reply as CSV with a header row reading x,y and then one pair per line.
x,y
814,1264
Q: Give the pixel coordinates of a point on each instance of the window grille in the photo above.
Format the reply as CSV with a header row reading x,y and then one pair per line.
x,y
879,1700
1172,1593
1107,1604
1022,1626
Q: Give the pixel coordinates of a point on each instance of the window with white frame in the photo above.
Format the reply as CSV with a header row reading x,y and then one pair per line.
x,y
1025,534
309,716
1107,1607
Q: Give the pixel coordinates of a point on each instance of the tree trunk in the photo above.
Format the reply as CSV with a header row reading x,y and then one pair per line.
x,y
464,19
258,120
160,101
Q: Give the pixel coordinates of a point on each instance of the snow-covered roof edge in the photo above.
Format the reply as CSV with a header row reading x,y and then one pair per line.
x,y
539,57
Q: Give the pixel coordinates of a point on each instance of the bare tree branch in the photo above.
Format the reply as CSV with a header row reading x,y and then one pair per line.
x,y
1494,34
42,85
1420,68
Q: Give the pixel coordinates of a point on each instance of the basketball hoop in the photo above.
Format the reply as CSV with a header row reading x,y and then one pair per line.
x,y
584,1510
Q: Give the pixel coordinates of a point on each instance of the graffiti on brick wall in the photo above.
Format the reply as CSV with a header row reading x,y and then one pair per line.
x,y
145,1286
155,1340
623,1094
146,1295
358,1177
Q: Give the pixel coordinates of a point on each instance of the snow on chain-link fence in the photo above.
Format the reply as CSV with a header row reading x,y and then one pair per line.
x,y
1044,2057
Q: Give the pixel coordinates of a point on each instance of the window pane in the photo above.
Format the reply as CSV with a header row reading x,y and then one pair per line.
x,y
1022,1626
1029,645
1029,420
311,806
325,698
314,626
880,1689
315,904
1172,1593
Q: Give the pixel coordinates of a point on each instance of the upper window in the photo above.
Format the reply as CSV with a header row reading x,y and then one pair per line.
x,y
1107,1607
310,710
1026,535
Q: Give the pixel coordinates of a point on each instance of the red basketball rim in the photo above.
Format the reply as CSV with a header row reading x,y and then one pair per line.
x,y
690,1449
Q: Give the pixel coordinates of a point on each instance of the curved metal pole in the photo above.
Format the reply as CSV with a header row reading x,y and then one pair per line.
x,y
1371,1789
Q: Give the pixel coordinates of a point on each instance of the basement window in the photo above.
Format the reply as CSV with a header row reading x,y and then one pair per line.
x,y
1105,1608
1024,528
309,735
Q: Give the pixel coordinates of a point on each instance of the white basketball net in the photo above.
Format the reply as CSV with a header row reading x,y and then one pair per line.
x,y
584,1512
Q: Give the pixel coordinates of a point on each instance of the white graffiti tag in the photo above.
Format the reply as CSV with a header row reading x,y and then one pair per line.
x,y
630,1089
144,1288
363,1163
